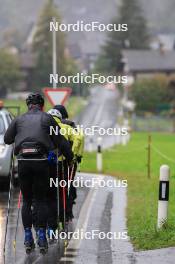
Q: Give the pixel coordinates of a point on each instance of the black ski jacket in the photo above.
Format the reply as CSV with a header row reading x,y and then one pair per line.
x,y
34,126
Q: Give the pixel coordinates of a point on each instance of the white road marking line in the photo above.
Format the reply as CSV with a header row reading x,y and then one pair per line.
x,y
84,216
69,252
66,259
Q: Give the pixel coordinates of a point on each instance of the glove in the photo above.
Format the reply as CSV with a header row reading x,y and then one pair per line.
x,y
52,158
79,158
72,162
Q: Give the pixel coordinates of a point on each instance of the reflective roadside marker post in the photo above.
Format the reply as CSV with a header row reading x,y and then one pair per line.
x,y
99,155
163,196
124,140
90,144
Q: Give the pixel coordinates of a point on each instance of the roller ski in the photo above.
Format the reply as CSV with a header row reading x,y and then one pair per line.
x,y
29,241
42,241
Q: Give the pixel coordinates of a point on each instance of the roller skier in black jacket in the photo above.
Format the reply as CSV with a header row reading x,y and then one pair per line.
x,y
31,134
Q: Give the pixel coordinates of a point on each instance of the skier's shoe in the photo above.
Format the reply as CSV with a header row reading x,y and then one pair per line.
x,y
42,241
29,241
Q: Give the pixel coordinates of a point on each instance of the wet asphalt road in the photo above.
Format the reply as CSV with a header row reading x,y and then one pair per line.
x,y
102,111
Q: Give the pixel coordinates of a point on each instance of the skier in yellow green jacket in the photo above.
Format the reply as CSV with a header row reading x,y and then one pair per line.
x,y
68,194
66,120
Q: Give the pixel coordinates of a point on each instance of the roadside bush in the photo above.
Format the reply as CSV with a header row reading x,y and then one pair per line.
x,y
151,95
9,72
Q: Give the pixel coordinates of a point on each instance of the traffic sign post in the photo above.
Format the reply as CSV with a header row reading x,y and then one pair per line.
x,y
57,95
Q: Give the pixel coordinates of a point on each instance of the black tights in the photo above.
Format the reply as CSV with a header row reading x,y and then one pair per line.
x,y
34,183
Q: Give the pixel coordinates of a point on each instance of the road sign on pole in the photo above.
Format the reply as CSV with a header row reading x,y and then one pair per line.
x,y
57,95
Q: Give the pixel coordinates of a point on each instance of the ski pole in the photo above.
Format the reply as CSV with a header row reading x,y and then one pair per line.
x,y
71,177
8,208
64,194
17,222
58,188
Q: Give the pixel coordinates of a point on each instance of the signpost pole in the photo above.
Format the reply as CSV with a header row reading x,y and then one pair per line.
x,y
54,58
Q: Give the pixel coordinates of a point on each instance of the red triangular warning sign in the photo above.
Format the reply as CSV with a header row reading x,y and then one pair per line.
x,y
57,95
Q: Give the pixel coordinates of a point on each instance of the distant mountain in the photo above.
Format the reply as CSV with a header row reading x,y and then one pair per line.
x,y
21,15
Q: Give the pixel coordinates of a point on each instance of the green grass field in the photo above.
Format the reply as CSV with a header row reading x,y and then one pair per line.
x,y
130,162
74,105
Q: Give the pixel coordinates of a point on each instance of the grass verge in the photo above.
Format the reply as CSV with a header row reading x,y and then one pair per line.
x,y
74,105
130,162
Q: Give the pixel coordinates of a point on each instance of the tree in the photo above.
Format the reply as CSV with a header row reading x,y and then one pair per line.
x,y
9,72
136,37
42,46
12,38
150,95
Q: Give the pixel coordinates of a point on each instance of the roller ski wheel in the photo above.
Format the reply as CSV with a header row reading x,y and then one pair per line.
x,y
29,248
43,250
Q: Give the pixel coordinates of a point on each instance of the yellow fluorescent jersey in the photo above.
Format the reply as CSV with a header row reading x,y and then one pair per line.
x,y
81,138
71,135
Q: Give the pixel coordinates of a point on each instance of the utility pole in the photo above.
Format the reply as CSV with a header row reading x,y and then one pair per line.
x,y
54,55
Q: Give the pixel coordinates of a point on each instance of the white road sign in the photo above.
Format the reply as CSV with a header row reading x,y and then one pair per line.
x,y
57,95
